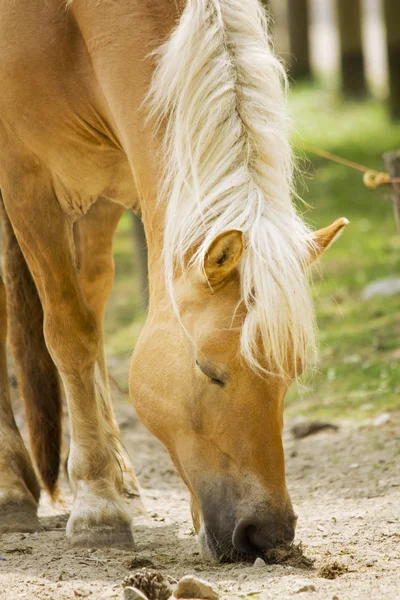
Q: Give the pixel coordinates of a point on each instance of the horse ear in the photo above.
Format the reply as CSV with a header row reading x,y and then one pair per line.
x,y
223,255
323,238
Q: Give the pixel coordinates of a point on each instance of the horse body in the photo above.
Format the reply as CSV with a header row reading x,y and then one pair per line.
x,y
62,153
53,113
77,145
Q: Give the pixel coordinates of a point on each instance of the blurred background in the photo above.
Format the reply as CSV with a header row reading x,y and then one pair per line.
x,y
343,60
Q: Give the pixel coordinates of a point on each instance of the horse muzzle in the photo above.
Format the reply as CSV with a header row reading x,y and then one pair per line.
x,y
227,539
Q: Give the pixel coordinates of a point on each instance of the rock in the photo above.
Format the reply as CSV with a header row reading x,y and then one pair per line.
x,y
259,562
382,287
242,577
382,419
370,563
306,588
131,593
335,597
306,428
82,592
194,587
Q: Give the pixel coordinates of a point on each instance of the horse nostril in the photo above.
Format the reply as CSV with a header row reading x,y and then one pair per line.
x,y
253,536
241,536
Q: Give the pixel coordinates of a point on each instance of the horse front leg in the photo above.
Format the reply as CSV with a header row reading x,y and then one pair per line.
x,y
99,516
93,235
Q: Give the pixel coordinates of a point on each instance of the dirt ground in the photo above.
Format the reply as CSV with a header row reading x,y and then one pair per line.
x,y
345,486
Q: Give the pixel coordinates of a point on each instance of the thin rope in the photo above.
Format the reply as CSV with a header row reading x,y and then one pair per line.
x,y
371,178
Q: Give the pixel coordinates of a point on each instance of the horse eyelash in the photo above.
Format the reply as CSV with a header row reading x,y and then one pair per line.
x,y
213,380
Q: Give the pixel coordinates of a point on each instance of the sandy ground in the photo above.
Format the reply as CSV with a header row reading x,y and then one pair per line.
x,y
345,486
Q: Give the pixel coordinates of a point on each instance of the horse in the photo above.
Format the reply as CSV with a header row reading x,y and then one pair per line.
x,y
175,109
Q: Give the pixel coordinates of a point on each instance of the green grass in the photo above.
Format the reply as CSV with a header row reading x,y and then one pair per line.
x,y
359,368
358,373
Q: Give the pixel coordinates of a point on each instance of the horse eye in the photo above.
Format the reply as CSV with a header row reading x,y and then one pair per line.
x,y
210,373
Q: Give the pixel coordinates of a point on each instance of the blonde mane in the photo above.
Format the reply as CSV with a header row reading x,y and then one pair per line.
x,y
228,163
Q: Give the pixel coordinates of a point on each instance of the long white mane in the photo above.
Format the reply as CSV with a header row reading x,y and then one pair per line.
x,y
220,90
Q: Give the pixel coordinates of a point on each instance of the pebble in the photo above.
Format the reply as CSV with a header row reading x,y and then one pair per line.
x,y
82,592
259,562
370,563
132,593
335,597
306,588
194,587
382,419
242,577
382,287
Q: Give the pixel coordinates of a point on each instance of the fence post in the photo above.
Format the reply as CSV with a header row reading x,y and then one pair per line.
x,y
299,44
392,164
392,22
351,50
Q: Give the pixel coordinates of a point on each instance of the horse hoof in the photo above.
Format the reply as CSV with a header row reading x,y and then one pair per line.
x,y
103,536
97,522
19,517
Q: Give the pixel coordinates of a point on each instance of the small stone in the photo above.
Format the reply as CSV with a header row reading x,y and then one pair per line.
x,y
131,593
382,287
335,597
82,592
194,587
242,577
305,428
259,562
306,588
354,466
382,419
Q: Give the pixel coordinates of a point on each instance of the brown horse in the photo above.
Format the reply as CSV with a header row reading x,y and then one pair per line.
x,y
174,109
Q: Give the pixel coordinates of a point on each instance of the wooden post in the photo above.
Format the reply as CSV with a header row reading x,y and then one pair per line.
x,y
392,164
299,44
279,27
392,21
351,50
139,238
